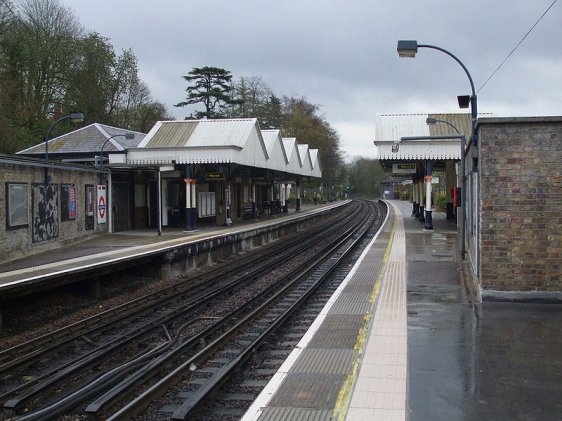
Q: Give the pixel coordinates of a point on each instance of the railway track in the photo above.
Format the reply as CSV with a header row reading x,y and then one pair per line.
x,y
189,338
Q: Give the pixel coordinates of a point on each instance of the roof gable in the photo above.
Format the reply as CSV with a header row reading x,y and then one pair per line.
x,y
200,133
292,152
316,170
278,159
305,158
203,141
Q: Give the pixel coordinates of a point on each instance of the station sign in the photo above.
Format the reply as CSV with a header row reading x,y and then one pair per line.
x,y
212,176
102,204
403,168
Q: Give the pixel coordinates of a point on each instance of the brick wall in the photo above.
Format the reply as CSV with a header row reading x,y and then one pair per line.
x,y
521,204
18,241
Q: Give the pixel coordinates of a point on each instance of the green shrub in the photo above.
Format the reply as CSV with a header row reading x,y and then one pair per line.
x,y
440,200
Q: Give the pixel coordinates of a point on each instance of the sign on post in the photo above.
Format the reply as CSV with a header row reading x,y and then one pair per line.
x,y
102,205
403,168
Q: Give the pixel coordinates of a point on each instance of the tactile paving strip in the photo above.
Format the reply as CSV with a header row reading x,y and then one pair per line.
x,y
325,361
295,414
307,390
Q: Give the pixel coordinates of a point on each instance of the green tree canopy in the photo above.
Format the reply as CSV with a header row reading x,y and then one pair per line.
x,y
49,67
365,176
301,119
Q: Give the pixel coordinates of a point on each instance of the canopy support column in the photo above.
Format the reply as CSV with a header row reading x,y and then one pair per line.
x,y
428,210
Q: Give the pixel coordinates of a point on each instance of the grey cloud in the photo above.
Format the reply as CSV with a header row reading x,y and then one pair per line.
x,y
342,53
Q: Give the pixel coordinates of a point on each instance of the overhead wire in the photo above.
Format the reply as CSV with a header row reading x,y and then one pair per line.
x,y
517,46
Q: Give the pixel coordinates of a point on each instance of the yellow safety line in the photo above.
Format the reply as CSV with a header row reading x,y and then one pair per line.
x,y
345,393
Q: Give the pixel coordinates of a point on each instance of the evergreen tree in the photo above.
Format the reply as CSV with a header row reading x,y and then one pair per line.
x,y
210,86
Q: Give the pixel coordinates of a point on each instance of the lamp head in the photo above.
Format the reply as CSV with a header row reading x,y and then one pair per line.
x,y
395,147
129,136
430,120
464,101
77,117
407,48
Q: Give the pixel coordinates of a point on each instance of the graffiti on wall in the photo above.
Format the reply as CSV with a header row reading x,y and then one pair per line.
x,y
45,212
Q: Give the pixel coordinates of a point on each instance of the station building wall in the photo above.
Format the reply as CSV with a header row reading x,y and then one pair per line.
x,y
521,204
27,227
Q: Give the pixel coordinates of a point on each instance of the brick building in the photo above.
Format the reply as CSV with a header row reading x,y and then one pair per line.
x,y
521,206
39,217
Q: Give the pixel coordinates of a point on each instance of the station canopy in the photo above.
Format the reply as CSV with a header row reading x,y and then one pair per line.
x,y
408,138
223,141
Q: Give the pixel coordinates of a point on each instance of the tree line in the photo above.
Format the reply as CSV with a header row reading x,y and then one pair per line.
x,y
50,66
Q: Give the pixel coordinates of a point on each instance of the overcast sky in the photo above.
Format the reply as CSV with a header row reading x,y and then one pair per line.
x,y
341,54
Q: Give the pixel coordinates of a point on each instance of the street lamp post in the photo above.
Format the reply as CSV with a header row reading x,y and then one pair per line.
x,y
431,121
75,118
410,48
126,135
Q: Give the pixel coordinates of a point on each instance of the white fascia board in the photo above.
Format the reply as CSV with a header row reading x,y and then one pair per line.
x,y
420,149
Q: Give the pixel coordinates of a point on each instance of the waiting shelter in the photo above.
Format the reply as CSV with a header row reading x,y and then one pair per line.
x,y
413,150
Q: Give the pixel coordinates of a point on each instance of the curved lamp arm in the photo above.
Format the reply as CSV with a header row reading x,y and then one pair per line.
x,y
126,135
75,118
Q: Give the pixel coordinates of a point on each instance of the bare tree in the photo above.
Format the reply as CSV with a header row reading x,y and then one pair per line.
x,y
47,34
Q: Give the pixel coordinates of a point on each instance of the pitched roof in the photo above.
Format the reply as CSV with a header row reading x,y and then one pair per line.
x,y
199,133
316,170
202,141
237,141
278,159
89,139
392,128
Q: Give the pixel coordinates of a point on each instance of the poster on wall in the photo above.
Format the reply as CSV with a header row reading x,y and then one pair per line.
x,y
68,202
17,205
89,207
102,205
45,224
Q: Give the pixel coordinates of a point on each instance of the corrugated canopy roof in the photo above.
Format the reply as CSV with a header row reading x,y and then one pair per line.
x,y
200,133
221,141
390,129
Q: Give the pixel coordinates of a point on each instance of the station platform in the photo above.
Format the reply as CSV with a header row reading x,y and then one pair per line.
x,y
112,249
400,341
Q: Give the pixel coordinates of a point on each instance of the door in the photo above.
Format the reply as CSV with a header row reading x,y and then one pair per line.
x,y
121,206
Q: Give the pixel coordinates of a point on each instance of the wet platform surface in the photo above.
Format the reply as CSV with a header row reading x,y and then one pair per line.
x,y
491,361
